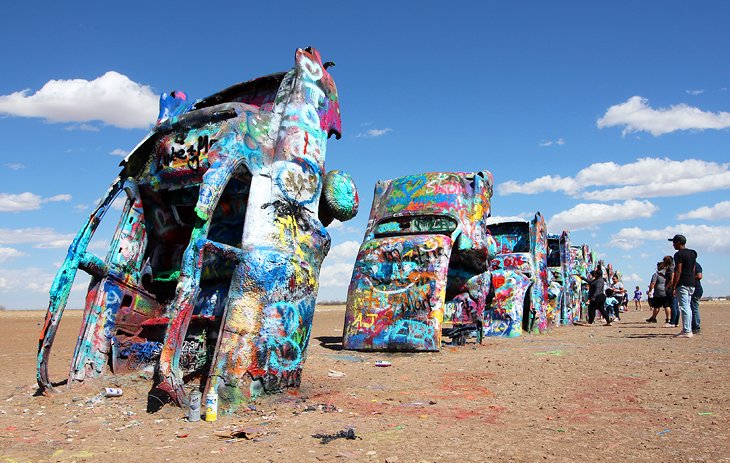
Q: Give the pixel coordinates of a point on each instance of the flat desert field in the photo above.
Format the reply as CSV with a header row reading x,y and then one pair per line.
x,y
622,393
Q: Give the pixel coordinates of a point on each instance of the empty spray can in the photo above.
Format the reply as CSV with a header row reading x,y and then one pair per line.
x,y
111,392
194,407
211,406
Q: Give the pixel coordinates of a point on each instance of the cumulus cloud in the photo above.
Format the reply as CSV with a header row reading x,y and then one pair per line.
x,y
695,92
27,201
15,166
559,142
643,178
34,280
719,211
635,115
703,238
118,152
337,269
9,253
539,185
372,133
508,218
113,99
589,215
631,278
41,238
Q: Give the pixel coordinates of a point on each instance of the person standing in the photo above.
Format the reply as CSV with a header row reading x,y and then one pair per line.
x,y
696,296
637,299
660,298
683,281
597,297
673,321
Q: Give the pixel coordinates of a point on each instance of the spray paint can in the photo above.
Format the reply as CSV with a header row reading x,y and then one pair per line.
x,y
194,408
211,406
111,392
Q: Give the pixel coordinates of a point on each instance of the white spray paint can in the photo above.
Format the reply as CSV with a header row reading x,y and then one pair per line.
x,y
211,406
194,408
112,392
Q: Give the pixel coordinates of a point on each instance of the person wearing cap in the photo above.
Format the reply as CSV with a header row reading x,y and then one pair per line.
x,y
683,281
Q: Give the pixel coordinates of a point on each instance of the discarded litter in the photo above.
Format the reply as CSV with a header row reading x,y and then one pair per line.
x,y
335,374
348,434
112,392
242,434
382,363
661,433
705,413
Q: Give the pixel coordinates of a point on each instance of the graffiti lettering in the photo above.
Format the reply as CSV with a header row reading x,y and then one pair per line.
x,y
190,153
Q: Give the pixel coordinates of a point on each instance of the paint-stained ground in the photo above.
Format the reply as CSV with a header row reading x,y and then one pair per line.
x,y
621,393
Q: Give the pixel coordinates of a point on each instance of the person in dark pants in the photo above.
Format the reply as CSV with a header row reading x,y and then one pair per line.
x,y
597,298
696,296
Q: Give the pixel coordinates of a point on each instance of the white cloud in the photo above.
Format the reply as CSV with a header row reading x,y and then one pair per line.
x,y
544,183
335,275
9,253
636,115
29,279
346,251
118,152
81,207
41,238
15,166
508,218
719,211
27,201
632,278
559,142
643,178
113,99
82,127
695,92
703,238
589,215
337,269
372,133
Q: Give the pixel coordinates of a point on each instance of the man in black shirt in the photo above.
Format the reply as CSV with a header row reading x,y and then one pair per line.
x,y
696,296
683,281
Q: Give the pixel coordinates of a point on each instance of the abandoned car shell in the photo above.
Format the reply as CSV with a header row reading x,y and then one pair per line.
x,y
213,269
425,252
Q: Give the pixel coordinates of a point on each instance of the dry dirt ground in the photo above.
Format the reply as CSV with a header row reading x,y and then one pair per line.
x,y
621,393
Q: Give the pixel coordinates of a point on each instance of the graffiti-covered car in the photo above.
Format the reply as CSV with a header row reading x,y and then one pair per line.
x,y
561,264
424,258
213,269
522,247
584,262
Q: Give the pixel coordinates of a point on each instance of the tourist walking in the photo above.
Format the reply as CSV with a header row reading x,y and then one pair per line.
x,y
683,281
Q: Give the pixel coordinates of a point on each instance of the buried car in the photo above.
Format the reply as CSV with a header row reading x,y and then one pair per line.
x,y
212,272
561,264
522,248
424,258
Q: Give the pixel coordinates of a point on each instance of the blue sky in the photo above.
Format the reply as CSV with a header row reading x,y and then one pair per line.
x,y
610,118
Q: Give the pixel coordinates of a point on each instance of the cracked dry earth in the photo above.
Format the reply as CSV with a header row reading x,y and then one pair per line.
x,y
620,393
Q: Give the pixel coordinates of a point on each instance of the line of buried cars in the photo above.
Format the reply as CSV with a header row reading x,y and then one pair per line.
x,y
434,263
211,278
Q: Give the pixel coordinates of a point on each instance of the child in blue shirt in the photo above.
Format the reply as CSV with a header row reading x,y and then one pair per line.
x,y
612,304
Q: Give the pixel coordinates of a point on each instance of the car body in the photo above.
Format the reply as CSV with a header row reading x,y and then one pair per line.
x,y
522,247
423,260
561,264
213,270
